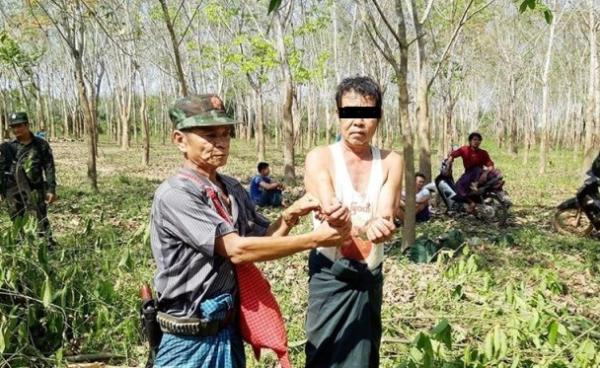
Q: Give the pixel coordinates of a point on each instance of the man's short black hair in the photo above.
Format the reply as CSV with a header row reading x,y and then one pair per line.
x,y
364,86
475,135
419,174
261,166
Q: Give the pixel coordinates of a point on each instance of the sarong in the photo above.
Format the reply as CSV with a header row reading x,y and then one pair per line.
x,y
464,182
473,175
223,350
343,323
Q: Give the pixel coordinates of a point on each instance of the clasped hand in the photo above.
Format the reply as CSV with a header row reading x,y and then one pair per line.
x,y
376,230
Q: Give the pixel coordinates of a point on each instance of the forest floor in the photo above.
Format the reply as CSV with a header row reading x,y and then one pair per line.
x,y
518,294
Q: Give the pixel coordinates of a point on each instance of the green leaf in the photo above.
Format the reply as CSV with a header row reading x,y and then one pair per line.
x,y
423,343
58,355
516,361
47,293
562,330
552,333
488,346
273,5
509,292
548,16
523,7
42,255
535,318
2,341
443,333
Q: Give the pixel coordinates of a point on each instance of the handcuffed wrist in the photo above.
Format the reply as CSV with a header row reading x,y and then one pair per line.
x,y
290,218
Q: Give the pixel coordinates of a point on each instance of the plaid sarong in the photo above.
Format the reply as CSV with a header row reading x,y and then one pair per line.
x,y
224,350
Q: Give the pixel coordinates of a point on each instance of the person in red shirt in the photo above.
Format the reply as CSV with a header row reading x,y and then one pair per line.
x,y
479,167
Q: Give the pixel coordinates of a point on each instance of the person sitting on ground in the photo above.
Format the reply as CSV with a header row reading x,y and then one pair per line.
x,y
423,197
479,168
41,133
263,190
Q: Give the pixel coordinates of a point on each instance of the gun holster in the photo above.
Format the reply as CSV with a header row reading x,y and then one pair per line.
x,y
151,328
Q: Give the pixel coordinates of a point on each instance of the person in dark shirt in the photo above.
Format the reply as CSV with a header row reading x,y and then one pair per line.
x,y
595,169
263,190
27,174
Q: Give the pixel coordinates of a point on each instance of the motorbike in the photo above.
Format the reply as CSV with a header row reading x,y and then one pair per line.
x,y
580,215
491,203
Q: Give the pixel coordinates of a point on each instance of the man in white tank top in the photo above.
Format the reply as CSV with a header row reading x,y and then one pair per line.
x,y
343,324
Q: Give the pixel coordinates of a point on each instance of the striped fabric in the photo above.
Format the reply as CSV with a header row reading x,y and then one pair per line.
x,y
261,322
184,225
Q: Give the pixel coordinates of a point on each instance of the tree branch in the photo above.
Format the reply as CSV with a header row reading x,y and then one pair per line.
x,y
104,30
386,45
427,11
451,42
187,28
387,23
54,22
388,57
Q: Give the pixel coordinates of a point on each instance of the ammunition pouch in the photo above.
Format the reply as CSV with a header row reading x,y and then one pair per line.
x,y
192,326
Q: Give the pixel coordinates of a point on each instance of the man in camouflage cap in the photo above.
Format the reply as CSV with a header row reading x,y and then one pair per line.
x,y
27,175
202,224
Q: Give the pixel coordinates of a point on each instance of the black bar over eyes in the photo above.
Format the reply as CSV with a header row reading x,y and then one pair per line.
x,y
359,112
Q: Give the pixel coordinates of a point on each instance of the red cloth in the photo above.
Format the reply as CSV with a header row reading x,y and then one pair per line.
x,y
472,158
261,323
260,320
357,248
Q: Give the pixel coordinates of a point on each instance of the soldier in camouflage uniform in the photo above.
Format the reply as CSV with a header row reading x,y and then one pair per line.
x,y
24,164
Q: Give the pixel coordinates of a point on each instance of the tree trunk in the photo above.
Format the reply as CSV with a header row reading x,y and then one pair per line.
x,y
65,118
180,74
287,92
423,123
90,121
146,125
260,124
408,236
589,150
513,144
545,87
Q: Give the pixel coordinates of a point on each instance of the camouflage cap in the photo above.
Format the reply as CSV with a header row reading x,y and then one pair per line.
x,y
17,118
199,111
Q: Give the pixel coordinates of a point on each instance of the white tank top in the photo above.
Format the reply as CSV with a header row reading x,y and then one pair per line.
x,y
362,208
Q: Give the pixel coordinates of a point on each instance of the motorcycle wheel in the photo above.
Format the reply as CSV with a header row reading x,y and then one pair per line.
x,y
500,210
572,221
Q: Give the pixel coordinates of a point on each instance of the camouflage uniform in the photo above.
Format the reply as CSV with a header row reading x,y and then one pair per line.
x,y
595,169
22,171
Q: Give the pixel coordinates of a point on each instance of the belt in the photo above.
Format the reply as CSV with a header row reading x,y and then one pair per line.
x,y
354,273
192,326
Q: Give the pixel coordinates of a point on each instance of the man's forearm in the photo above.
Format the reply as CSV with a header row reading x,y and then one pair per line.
x,y
256,249
278,228
51,178
284,224
269,186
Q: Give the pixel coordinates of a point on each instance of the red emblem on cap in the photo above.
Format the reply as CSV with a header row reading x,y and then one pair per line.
x,y
216,103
